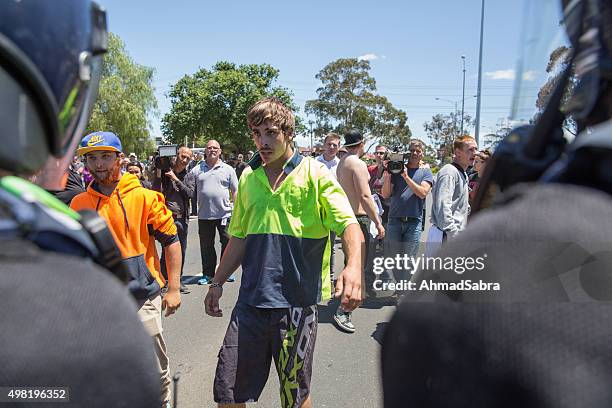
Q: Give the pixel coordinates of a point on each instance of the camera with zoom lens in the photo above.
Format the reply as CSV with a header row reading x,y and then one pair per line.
x,y
164,157
397,161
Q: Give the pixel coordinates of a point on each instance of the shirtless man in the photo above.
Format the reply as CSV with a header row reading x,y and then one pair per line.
x,y
353,176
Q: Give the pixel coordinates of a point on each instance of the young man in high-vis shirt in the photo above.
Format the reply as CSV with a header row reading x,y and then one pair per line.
x,y
285,208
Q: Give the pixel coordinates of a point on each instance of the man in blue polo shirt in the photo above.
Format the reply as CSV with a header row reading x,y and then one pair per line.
x,y
407,191
216,185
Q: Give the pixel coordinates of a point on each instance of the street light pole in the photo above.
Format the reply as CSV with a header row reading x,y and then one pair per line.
x,y
463,95
310,122
455,121
454,115
477,133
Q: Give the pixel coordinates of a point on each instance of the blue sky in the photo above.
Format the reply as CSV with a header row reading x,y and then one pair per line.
x,y
415,47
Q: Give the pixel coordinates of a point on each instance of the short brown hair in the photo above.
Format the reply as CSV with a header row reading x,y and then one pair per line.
x,y
274,110
460,142
418,142
134,164
484,155
331,136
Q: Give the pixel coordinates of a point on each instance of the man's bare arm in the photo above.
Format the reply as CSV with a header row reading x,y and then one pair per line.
x,y
387,187
231,260
348,285
172,300
420,190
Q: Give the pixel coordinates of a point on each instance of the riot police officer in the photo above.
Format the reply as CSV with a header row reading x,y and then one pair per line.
x,y
70,331
542,338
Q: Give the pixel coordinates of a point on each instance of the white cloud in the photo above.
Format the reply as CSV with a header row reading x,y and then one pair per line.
x,y
368,57
530,75
510,75
501,74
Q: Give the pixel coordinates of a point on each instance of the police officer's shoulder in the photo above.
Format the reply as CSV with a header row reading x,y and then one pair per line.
x,y
532,209
66,318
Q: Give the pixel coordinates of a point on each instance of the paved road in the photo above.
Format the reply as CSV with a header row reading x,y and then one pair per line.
x,y
346,366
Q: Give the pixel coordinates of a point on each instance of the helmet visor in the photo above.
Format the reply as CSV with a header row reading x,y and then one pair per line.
x,y
52,176
544,54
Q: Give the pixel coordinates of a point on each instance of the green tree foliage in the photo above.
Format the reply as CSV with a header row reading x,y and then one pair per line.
x,y
443,129
347,100
430,155
557,63
213,104
126,100
502,130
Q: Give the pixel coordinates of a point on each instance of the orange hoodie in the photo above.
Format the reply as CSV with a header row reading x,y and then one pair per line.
x,y
135,216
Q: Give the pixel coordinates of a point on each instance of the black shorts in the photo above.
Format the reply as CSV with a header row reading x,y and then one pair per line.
x,y
254,337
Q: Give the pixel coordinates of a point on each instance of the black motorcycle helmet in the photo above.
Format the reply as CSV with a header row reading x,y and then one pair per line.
x,y
50,66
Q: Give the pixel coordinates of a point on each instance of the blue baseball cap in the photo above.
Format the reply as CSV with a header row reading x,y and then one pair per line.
x,y
99,141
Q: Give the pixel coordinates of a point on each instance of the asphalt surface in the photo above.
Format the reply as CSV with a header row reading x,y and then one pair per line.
x,y
346,366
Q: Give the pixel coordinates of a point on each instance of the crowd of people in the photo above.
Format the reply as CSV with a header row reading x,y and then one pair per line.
x,y
70,275
236,203
387,203
265,224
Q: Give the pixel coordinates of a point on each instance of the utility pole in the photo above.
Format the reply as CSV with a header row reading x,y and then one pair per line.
x,y
463,95
455,122
478,94
310,122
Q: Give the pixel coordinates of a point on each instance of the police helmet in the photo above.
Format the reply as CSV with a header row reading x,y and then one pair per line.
x,y
50,65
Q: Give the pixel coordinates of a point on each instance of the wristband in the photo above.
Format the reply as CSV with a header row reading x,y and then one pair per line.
x,y
216,285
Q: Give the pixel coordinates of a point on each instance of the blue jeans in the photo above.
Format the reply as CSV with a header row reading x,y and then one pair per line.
x,y
402,237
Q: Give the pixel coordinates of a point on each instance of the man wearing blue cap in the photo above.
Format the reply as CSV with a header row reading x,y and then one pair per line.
x,y
134,213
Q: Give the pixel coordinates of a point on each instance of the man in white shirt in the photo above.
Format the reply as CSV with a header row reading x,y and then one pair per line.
x,y
330,160
330,146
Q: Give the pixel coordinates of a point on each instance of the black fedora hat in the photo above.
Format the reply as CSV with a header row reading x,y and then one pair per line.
x,y
353,138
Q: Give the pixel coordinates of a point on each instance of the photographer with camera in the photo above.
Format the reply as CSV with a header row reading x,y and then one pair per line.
x,y
177,185
406,185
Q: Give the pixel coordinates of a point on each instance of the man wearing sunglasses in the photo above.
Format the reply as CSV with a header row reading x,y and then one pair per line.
x,y
377,178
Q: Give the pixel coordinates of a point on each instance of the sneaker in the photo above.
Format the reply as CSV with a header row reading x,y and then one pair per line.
x,y
204,280
231,278
343,320
184,289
